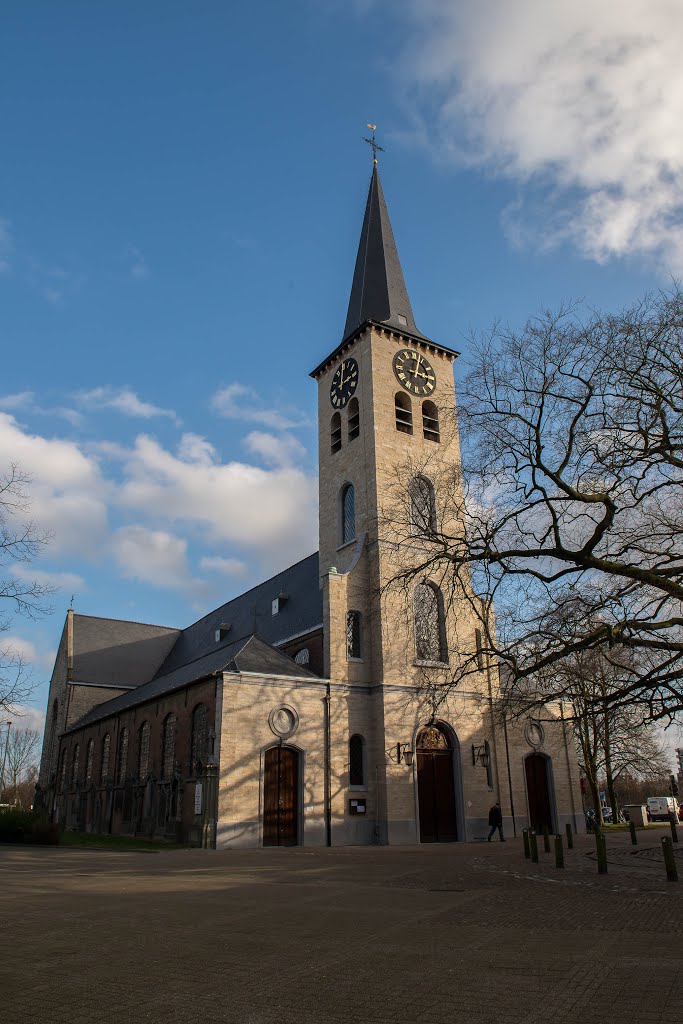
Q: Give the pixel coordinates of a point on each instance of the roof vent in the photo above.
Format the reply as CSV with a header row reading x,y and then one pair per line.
x,y
278,603
221,632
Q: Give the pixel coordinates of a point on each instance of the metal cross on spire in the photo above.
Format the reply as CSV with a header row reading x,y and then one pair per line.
x,y
373,143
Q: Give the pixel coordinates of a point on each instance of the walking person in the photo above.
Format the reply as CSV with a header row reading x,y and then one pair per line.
x,y
496,822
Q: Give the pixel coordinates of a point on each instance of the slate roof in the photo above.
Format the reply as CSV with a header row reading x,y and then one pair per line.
x,y
116,652
378,291
251,613
248,654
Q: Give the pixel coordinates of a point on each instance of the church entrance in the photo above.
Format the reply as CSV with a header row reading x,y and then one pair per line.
x,y
281,797
436,787
536,768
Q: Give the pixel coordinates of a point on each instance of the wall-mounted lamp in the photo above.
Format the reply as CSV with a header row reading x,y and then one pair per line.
x,y
481,754
401,753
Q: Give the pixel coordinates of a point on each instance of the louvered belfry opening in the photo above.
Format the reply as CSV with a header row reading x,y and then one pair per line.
x,y
404,413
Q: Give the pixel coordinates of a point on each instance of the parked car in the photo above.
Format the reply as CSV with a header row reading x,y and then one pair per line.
x,y
607,815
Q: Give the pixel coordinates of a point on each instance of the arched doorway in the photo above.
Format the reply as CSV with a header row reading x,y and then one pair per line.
x,y
281,797
436,786
537,771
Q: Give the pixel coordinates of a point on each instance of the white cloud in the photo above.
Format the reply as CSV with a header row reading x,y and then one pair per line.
x,y
6,245
68,494
15,646
159,500
124,401
138,268
235,501
20,400
69,581
226,566
152,556
584,100
193,448
238,402
26,717
275,449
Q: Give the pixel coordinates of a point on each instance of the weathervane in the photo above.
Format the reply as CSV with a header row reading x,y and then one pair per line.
x,y
373,143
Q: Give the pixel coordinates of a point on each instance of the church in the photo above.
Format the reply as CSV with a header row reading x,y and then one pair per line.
x,y
298,713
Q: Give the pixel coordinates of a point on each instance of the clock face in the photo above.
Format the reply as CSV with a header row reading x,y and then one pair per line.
x,y
414,372
344,383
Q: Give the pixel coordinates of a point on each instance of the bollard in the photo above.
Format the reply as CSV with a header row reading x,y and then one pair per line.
x,y
525,837
674,833
601,850
570,837
669,860
546,839
559,852
533,846
632,830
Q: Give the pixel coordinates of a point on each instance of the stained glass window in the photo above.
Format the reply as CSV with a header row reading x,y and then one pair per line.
x,y
74,765
422,506
200,734
123,757
143,757
429,626
356,759
432,738
353,648
104,770
89,758
168,755
348,514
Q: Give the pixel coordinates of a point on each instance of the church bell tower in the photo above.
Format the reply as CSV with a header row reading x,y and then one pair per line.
x,y
385,402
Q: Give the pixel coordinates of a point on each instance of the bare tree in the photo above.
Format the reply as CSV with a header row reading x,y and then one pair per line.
x,y
19,755
569,504
20,542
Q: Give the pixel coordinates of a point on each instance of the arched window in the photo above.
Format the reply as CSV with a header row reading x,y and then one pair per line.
x,y
55,708
89,758
356,760
430,421
404,413
422,506
62,771
430,634
200,735
354,419
143,754
303,656
353,648
348,514
122,763
335,433
168,752
104,767
74,765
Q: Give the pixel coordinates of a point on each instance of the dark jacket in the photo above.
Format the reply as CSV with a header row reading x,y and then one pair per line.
x,y
495,816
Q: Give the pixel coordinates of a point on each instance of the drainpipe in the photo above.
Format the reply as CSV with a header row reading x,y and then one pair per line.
x,y
507,759
569,767
328,804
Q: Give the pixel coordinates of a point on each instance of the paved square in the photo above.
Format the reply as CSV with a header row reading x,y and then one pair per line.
x,y
441,934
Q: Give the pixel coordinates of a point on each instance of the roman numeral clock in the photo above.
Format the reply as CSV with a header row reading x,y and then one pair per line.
x,y
344,383
414,373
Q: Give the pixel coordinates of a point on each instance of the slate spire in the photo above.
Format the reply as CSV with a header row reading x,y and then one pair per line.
x,y
378,291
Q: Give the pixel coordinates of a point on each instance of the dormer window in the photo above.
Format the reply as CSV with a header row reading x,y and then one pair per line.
x,y
402,319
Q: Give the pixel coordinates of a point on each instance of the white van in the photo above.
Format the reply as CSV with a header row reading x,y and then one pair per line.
x,y
661,807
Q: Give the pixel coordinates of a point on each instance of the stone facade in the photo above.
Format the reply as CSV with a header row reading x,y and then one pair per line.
x,y
331,747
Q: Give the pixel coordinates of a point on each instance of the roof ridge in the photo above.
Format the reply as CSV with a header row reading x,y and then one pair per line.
x,y
130,622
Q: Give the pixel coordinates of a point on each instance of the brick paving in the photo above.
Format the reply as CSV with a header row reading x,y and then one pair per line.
x,y
448,934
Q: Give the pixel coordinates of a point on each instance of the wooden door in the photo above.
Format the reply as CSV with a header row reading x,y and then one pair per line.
x,y
538,792
281,797
436,796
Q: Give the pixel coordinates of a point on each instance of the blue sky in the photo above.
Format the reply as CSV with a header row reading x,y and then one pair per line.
x,y
181,194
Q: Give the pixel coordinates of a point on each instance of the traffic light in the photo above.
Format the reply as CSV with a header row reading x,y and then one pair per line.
x,y
674,786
